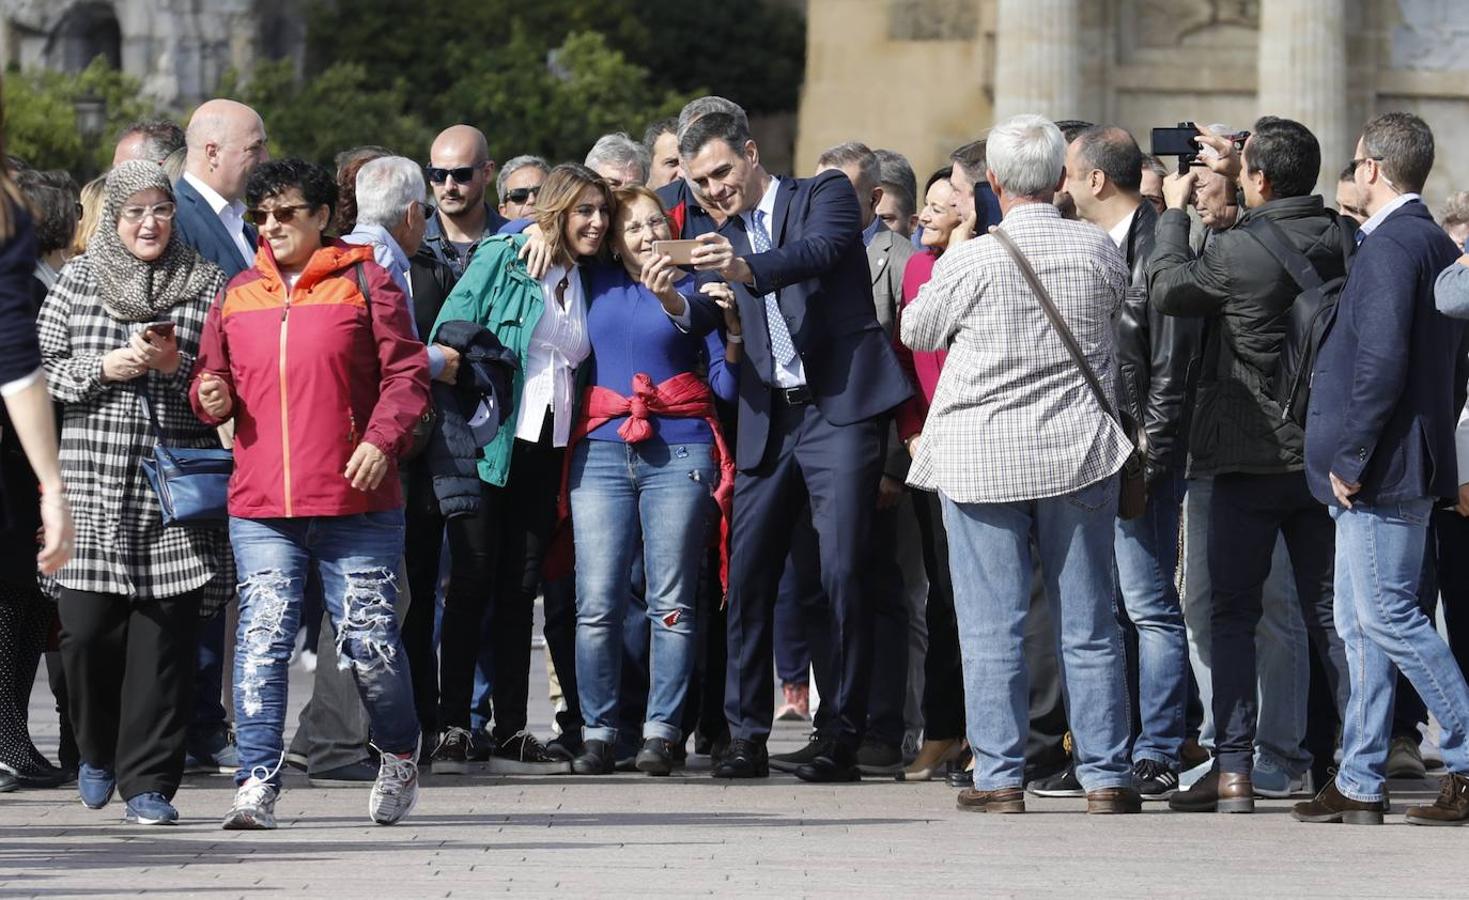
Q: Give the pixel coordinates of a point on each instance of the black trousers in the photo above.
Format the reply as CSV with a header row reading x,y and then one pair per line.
x,y
422,548
1247,514
495,562
559,630
943,667
834,468
25,624
129,670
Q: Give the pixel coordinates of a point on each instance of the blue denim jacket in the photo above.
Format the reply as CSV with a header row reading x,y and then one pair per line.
x,y
445,251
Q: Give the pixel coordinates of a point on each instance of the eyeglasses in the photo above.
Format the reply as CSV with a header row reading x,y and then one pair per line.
x,y
1357,162
460,174
162,212
283,214
653,223
521,195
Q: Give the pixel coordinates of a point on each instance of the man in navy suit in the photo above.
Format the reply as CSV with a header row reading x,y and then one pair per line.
x,y
1380,452
819,375
226,141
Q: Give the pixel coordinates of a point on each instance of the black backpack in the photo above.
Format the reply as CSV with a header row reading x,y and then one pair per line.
x,y
1308,318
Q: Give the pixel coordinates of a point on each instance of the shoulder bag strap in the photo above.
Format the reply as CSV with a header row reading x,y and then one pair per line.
x,y
1049,308
1275,241
358,271
152,416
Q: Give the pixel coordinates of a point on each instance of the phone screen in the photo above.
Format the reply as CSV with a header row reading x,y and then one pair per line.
x,y
1175,141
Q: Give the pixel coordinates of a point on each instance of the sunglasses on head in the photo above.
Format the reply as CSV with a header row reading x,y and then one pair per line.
x,y
460,174
520,195
283,214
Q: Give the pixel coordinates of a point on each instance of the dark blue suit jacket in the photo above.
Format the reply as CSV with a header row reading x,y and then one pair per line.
x,y
1382,410
200,228
817,266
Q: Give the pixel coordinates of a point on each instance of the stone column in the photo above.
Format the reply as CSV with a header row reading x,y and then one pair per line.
x,y
1038,58
1303,76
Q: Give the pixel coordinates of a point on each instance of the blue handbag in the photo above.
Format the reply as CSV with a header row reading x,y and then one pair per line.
x,y
192,484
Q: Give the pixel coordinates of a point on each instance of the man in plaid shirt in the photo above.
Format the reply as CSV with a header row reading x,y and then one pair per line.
x,y
1016,442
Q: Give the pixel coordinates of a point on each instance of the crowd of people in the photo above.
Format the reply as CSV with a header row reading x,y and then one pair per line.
x,y
1049,485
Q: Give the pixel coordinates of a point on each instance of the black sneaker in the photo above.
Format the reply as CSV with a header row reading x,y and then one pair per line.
x,y
451,756
656,757
364,771
790,762
1062,784
522,754
874,758
1155,781
481,745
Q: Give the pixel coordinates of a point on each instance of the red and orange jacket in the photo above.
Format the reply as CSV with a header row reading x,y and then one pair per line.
x,y
313,372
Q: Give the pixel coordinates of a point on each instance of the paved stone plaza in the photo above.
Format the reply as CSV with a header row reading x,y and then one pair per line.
x,y
631,835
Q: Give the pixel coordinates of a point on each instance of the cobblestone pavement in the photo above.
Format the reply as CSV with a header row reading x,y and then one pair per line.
x,y
630,835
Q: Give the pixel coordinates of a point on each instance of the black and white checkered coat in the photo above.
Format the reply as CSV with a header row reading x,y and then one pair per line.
x,y
1012,417
121,544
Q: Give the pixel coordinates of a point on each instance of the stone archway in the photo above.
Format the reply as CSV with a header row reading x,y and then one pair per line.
x,y
86,31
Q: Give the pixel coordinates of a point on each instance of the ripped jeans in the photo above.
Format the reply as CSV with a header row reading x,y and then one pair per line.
x,y
357,558
658,495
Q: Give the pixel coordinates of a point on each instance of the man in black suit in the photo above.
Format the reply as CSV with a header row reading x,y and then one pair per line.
x,y
819,374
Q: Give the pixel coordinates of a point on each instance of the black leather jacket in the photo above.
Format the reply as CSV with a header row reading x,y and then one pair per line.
x,y
1156,356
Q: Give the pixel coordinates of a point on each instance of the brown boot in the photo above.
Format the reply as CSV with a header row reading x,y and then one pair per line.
x,y
931,759
1113,801
1331,805
1226,792
1451,807
1005,800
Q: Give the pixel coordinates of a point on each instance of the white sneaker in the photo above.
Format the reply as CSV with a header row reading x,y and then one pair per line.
x,y
395,792
254,808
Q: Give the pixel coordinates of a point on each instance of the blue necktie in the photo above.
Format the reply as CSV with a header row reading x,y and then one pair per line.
x,y
781,346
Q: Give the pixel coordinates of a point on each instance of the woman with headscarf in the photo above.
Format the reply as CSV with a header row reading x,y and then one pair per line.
x,y
121,328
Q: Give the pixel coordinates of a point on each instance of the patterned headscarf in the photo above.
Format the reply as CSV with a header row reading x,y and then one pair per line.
x,y
131,289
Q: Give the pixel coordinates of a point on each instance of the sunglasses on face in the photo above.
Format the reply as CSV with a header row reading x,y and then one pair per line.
x,y
521,195
460,174
283,214
161,212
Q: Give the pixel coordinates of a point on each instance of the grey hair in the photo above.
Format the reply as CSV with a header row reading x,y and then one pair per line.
x,y
622,151
1027,154
700,107
1455,210
386,187
515,164
854,153
161,138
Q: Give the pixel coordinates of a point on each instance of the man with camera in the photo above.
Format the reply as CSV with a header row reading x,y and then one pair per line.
x,y
1240,435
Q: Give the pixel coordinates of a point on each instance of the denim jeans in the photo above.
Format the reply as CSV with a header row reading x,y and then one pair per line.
x,y
659,494
989,559
1379,560
357,560
1147,563
1281,648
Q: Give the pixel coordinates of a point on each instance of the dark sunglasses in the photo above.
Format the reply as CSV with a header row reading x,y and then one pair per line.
x,y
1357,162
461,174
520,195
283,214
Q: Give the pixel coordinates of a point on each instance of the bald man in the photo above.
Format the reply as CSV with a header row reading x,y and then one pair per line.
x,y
226,141
459,170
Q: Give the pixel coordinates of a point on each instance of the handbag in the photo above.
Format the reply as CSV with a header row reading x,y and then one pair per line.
x,y
192,484
1132,498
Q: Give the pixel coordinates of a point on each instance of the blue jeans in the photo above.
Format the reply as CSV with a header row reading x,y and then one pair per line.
x,y
989,559
621,494
357,559
1147,563
1379,560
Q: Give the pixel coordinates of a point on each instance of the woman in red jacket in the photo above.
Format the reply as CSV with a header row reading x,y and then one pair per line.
x,y
312,354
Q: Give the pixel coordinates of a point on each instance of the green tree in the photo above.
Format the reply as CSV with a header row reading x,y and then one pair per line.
x,y
40,115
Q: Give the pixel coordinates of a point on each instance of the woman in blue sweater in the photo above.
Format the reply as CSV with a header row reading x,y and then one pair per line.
x,y
643,472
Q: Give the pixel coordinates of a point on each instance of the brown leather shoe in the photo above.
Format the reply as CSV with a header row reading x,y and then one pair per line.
x,y
1451,807
1113,801
1226,792
1331,805
1005,800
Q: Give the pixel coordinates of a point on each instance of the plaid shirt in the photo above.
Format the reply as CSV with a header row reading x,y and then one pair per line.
x,y
1012,417
121,544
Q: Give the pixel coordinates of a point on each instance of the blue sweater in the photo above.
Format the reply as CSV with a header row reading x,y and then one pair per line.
x,y
630,333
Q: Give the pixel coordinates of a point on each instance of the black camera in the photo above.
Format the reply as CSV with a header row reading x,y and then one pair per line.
x,y
1179,142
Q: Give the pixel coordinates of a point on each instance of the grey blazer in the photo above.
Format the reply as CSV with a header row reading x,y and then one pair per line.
x,y
887,257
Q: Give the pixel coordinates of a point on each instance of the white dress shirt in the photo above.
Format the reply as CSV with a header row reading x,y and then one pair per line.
x,y
792,374
557,346
231,213
1120,230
